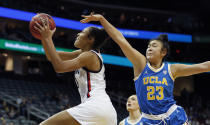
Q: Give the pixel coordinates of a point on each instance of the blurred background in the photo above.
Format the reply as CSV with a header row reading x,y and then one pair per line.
x,y
31,91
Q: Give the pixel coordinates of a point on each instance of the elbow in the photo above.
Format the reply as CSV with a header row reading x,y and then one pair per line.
x,y
208,62
206,66
120,40
58,68
49,59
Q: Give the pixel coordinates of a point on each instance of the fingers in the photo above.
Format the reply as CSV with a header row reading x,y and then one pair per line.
x,y
38,26
45,22
54,30
37,29
92,13
84,21
41,28
85,16
88,18
48,25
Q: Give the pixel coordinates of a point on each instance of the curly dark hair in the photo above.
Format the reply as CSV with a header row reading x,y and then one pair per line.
x,y
100,36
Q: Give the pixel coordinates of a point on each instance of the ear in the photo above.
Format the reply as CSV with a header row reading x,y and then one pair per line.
x,y
164,52
91,40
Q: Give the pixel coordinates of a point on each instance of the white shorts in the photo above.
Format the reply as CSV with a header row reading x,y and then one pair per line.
x,y
95,111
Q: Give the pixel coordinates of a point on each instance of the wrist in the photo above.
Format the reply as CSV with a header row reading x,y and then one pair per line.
x,y
101,18
47,39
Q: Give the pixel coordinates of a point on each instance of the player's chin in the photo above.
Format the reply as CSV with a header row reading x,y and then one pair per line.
x,y
76,44
129,109
149,58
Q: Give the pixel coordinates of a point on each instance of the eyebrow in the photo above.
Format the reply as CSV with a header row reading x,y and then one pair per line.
x,y
132,98
152,44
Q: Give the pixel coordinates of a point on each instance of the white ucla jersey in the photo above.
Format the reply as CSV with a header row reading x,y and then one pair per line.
x,y
91,83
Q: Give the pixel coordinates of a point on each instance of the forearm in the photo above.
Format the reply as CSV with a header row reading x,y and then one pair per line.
x,y
51,51
132,54
46,52
187,70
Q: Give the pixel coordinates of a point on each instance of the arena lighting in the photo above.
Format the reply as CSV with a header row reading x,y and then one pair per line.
x,y
76,25
38,49
26,47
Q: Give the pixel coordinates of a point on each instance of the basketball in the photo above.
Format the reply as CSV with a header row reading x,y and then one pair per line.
x,y
39,18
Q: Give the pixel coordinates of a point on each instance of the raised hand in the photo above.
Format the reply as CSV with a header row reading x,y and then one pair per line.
x,y
91,17
45,29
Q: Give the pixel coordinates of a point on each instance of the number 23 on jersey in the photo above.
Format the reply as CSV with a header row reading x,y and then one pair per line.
x,y
151,90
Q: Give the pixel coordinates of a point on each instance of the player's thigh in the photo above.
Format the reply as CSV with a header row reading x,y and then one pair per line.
x,y
61,118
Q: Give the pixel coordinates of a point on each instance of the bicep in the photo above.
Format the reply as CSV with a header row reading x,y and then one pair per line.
x,y
187,70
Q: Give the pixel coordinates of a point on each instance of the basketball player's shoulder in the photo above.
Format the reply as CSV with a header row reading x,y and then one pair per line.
x,y
87,55
173,69
85,58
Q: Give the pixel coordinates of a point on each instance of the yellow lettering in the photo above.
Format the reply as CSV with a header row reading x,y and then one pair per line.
x,y
151,79
146,80
156,80
164,81
150,93
161,95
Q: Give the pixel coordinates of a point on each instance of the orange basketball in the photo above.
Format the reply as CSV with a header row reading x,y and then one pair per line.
x,y
39,18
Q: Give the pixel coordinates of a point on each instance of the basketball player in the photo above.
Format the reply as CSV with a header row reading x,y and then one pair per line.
x,y
154,78
96,107
134,117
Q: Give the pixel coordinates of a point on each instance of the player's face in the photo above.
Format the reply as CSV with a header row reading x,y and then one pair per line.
x,y
132,103
154,51
82,39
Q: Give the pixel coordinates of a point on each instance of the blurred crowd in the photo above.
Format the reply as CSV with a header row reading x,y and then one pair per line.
x,y
9,112
197,107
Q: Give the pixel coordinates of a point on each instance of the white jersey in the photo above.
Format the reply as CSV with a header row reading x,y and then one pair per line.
x,y
91,83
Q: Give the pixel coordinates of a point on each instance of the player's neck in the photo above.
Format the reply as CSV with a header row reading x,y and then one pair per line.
x,y
134,116
156,65
86,49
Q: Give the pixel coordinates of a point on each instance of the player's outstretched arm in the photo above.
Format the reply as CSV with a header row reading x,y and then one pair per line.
x,y
179,70
138,60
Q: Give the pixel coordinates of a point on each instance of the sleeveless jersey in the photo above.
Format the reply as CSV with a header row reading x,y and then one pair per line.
x,y
90,83
154,89
126,122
